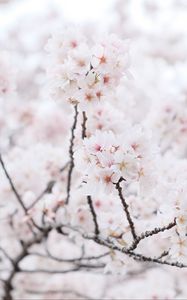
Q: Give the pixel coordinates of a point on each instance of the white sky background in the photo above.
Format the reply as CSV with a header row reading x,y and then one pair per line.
x,y
94,11
73,10
79,11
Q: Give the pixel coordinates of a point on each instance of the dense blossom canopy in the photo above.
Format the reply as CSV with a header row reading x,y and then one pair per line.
x,y
93,157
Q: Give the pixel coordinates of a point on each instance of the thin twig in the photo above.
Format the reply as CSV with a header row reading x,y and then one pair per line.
x,y
84,125
6,255
47,190
97,231
62,169
17,195
8,287
63,292
69,260
48,271
75,269
71,153
136,256
126,209
163,254
157,260
152,232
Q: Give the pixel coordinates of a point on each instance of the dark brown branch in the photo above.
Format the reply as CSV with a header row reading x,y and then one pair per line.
x,y
71,153
8,287
17,195
163,254
143,258
152,232
126,209
84,125
136,256
89,199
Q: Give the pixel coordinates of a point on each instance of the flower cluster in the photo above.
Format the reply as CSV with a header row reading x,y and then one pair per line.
x,y
83,71
106,157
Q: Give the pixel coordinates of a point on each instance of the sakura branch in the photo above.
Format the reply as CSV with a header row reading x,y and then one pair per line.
x,y
48,189
126,209
18,197
150,233
78,264
129,252
84,124
90,203
71,153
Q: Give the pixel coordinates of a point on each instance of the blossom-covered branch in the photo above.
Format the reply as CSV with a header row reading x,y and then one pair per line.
x,y
94,183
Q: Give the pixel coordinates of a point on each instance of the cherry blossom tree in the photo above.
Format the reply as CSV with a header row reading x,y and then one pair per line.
x,y
93,160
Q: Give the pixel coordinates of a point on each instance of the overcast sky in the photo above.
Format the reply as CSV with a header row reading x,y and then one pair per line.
x,y
73,10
